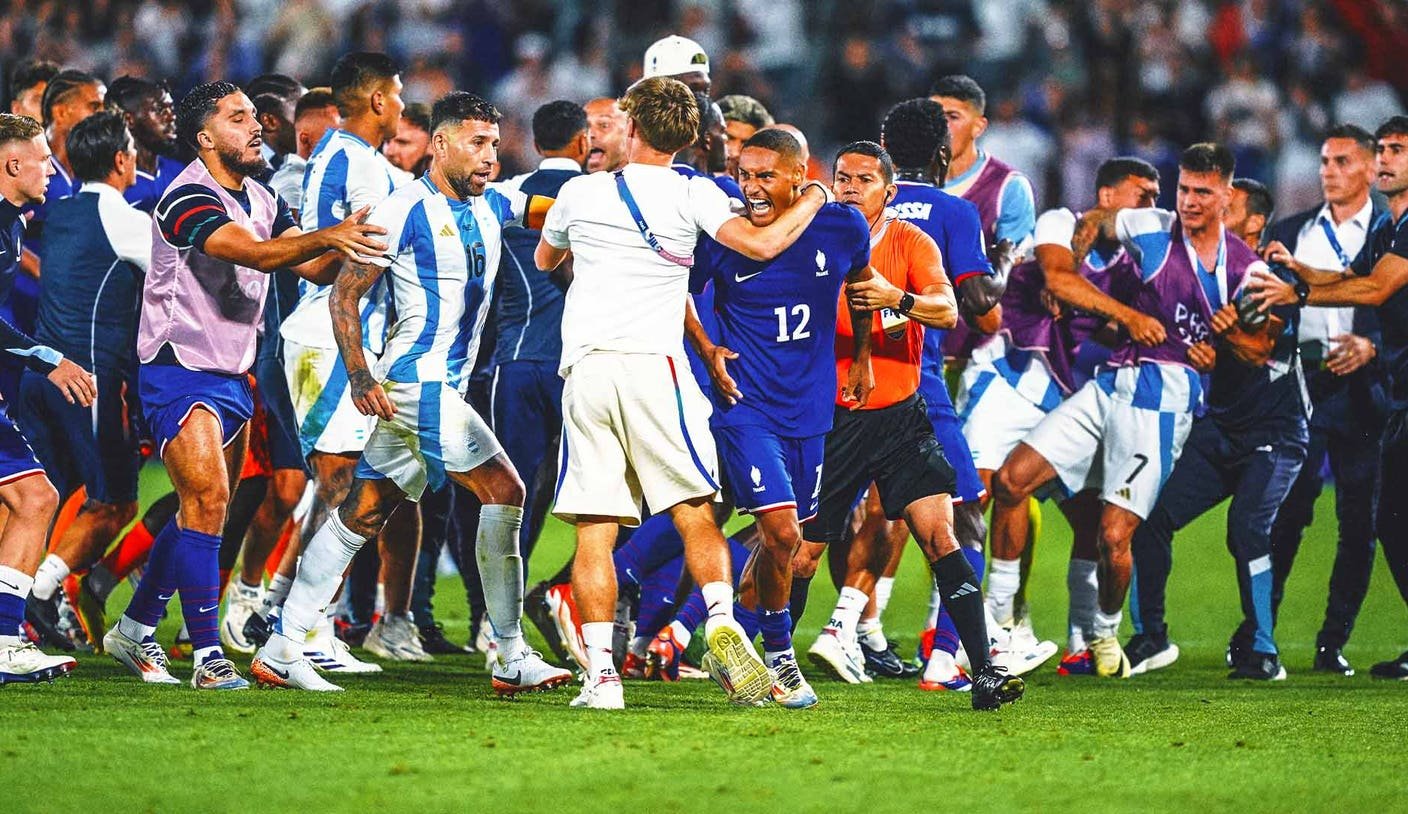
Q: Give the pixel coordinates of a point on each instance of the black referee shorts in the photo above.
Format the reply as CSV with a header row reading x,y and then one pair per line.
x,y
895,448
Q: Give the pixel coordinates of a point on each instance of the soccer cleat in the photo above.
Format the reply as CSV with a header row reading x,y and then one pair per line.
x,y
218,674
181,649
527,672
993,687
23,663
718,673
664,655
886,663
1240,644
942,673
789,687
925,648
298,674
1019,650
1079,663
1259,667
433,641
146,659
634,666
602,692
330,654
43,615
842,659
535,606
394,637
1148,652
1393,669
258,627
567,623
1110,659
241,602
1332,660
748,678
93,591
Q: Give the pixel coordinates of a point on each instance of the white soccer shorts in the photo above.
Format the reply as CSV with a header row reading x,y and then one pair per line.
x,y
434,432
322,401
997,416
634,426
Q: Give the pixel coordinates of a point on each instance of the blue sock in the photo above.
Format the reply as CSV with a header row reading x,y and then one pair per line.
x,y
776,627
159,579
11,614
198,579
797,605
1259,577
693,613
657,598
747,619
977,560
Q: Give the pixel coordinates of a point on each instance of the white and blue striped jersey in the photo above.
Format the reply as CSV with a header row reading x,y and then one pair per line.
x,y
344,174
442,260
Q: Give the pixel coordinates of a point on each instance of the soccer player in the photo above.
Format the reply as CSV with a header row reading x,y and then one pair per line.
x,y
776,323
635,423
1377,277
743,116
28,497
28,80
889,441
195,343
275,98
346,173
1132,419
409,149
151,116
1337,349
97,247
681,58
607,135
444,238
1249,210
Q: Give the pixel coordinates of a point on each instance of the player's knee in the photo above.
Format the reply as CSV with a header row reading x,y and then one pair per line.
x,y
204,509
1007,488
286,494
497,483
363,519
1115,536
783,545
111,515
33,497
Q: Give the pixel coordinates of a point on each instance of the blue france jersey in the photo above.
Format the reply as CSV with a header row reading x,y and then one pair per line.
x,y
442,262
147,189
780,317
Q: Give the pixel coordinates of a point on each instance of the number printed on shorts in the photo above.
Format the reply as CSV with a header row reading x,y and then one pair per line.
x,y
803,314
1139,467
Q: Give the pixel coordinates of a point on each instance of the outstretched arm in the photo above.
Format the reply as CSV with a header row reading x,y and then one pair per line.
x,y
296,250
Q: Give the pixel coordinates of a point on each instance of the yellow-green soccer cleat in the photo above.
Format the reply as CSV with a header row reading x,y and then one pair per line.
x,y
1110,658
745,677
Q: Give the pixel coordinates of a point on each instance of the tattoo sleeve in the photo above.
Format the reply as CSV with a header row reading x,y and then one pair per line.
x,y
354,280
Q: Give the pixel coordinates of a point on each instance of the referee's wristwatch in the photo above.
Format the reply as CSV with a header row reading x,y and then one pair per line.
x,y
1302,289
906,303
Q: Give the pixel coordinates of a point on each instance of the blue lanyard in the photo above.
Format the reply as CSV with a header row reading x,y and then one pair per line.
x,y
1344,259
630,202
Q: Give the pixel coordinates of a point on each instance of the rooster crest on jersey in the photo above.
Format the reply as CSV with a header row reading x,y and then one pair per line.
x,y
821,269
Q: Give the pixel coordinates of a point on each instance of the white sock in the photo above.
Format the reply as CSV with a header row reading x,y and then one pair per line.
x,y
49,577
134,630
683,635
247,591
319,573
936,603
199,656
501,569
1004,578
872,633
884,586
1084,589
770,657
1107,625
597,638
846,615
276,594
718,598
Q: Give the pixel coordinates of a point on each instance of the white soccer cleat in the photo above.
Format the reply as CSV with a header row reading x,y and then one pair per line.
x,y
843,659
241,602
23,663
602,692
564,617
742,675
1019,650
218,674
395,638
146,659
942,673
295,674
527,672
332,655
789,687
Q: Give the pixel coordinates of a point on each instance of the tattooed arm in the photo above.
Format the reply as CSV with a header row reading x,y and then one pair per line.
x,y
1061,265
355,280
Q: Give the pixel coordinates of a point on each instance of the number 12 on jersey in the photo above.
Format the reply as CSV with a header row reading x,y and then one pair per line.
x,y
803,315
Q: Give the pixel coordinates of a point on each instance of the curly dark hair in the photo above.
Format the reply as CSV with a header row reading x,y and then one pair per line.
x,y
913,131
196,107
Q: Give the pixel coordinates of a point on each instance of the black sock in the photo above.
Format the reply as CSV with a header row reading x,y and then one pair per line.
x,y
958,585
797,605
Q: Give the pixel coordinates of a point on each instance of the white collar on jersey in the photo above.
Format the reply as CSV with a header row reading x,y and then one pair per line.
x,y
559,163
100,188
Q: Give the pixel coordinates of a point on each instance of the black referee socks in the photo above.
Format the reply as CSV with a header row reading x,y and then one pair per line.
x,y
958,585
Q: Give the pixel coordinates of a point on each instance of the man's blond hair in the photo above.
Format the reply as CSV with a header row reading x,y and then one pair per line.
x,y
664,111
18,128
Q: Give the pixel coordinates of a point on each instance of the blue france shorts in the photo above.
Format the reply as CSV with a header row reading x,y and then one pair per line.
x,y
768,472
171,393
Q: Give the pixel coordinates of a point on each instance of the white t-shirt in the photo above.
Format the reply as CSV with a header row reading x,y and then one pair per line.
x,y
624,297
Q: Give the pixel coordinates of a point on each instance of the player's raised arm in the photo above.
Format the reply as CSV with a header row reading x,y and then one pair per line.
x,y
767,242
1061,265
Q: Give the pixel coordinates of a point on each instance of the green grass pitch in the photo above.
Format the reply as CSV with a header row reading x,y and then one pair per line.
x,y
433,738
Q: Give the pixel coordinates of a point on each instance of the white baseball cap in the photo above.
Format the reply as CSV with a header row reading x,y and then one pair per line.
x,y
675,55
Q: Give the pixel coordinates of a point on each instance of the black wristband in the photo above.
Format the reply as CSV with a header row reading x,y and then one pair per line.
x,y
906,303
1302,289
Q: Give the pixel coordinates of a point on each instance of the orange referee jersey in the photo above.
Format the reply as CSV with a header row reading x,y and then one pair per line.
x,y
911,261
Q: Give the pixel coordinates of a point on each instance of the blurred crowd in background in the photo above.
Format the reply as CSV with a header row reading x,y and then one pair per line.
x,y
1069,82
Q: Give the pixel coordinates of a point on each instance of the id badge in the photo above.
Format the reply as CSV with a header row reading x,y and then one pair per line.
x,y
892,322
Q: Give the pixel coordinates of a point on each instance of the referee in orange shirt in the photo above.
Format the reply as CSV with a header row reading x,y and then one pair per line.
x,y
890,441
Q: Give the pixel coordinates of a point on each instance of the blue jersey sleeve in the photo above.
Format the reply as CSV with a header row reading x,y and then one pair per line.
x,y
190,214
1016,220
705,262
964,255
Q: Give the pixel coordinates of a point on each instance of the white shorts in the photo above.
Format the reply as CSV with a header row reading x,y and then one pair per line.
x,y
322,401
996,415
434,431
1097,437
634,426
